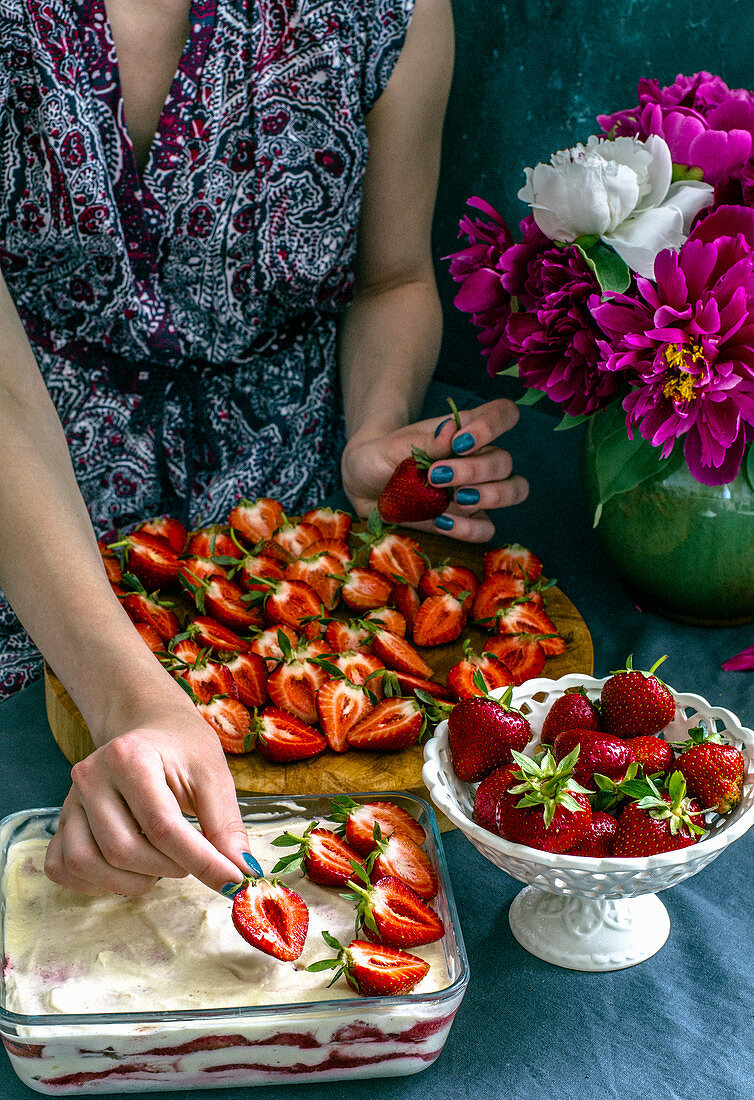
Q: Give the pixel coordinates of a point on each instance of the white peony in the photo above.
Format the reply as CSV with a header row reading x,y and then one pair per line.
x,y
620,191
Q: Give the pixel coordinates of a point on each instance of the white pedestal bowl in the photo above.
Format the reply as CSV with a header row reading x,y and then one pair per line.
x,y
591,914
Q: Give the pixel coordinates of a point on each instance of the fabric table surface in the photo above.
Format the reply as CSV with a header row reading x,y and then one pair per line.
x,y
675,1026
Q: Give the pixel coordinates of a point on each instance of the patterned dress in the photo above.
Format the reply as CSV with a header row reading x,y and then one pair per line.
x,y
185,318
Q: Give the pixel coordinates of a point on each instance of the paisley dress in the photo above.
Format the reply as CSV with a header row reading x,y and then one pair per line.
x,y
185,317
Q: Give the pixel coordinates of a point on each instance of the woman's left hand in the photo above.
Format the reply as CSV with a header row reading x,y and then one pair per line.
x,y
465,461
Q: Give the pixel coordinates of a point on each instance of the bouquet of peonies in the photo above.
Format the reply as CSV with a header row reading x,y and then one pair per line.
x,y
632,287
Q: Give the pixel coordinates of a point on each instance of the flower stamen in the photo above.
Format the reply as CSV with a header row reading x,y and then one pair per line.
x,y
680,382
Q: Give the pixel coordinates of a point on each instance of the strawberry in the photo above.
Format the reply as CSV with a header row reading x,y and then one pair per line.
x,y
150,636
322,572
393,724
255,569
193,571
364,589
156,611
398,654
396,556
331,524
206,631
185,650
661,821
401,857
167,528
496,593
267,644
213,542
150,558
256,519
293,603
522,655
405,598
206,678
390,912
597,842
372,969
110,562
653,753
271,918
389,618
249,674
527,615
358,667
340,705
292,539
447,577
408,495
635,703
513,559
337,547
461,677
223,600
358,820
231,721
440,619
598,752
350,635
283,737
483,733
489,792
714,771
408,684
572,711
547,809
326,858
294,684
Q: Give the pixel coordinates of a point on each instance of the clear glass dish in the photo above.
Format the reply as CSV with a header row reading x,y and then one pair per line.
x,y
357,1037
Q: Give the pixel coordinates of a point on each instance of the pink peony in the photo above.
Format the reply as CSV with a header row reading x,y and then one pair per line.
x,y
686,347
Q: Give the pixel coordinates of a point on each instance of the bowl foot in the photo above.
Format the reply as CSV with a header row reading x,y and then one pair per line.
x,y
590,934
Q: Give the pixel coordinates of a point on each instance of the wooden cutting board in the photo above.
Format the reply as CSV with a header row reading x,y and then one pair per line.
x,y
332,773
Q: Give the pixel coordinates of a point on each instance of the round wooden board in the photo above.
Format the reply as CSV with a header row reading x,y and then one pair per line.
x,y
334,773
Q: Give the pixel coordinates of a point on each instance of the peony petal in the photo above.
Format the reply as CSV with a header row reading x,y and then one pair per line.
x,y
741,662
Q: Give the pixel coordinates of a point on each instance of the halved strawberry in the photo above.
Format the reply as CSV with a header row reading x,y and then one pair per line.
x,y
391,913
294,538
522,655
408,683
399,654
215,595
372,969
111,563
400,856
168,528
513,558
185,650
150,558
440,619
231,721
394,724
343,635
337,547
322,572
257,519
340,705
407,600
267,644
496,592
150,636
359,667
447,577
271,918
249,673
208,632
461,677
206,679
255,569
325,856
388,617
331,524
397,555
364,589
359,818
293,603
294,684
283,737
526,616
213,542
152,609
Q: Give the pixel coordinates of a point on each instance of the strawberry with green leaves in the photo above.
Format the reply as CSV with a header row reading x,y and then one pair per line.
x,y
660,821
388,911
522,654
515,559
654,754
151,558
282,737
294,684
449,577
401,857
364,589
340,705
490,791
256,519
713,770
409,496
545,808
483,733
331,523
358,819
155,610
270,917
635,703
394,724
325,857
395,555
573,710
372,969
462,676
440,619
168,528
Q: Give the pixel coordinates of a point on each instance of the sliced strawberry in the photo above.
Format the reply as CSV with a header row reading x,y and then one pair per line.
x,y
167,528
249,673
150,636
185,650
293,687
322,572
283,737
398,654
522,655
193,572
513,559
399,856
364,589
231,721
462,676
267,644
397,555
359,667
326,858
206,631
207,679
372,969
293,603
331,524
256,569
526,616
447,577
213,542
342,636
391,913
271,918
409,683
440,619
224,601
149,558
294,538
337,547
257,519
143,608
407,600
393,724
111,563
359,819
495,593
388,617
340,705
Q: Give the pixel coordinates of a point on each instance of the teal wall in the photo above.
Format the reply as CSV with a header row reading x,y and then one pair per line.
x,y
530,78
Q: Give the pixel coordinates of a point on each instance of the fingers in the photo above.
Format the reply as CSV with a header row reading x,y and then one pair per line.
x,y
216,808
480,481
479,427
474,528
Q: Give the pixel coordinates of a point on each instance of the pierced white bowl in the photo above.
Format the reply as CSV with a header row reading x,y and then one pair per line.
x,y
591,914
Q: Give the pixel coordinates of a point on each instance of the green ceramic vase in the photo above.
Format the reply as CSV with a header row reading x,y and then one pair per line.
x,y
683,549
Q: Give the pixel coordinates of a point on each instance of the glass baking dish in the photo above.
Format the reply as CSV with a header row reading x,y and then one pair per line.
x,y
324,1040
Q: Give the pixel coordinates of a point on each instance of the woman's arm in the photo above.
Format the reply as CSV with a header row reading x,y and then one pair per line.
x,y
122,824
390,336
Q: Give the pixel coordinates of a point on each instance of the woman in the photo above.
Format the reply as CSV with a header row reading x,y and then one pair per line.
x,y
187,212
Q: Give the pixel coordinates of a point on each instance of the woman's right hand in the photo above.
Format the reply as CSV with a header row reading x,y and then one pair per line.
x,y
122,825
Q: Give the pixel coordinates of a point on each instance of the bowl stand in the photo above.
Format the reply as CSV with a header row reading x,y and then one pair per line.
x,y
590,934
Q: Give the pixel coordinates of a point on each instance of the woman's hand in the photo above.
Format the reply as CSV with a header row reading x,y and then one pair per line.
x,y
479,474
122,824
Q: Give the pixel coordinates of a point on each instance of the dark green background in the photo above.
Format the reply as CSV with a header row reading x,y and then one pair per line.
x,y
531,76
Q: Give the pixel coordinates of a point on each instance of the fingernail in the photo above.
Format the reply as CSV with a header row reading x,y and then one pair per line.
x,y
230,888
463,443
440,426
445,523
252,864
441,475
467,496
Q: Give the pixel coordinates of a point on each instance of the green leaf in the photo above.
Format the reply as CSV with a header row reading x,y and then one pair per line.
x,y
612,273
571,421
509,372
530,397
322,964
749,466
622,463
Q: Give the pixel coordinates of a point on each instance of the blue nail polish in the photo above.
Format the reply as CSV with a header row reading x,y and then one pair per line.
x,y
467,496
253,865
441,475
230,888
441,425
445,523
463,443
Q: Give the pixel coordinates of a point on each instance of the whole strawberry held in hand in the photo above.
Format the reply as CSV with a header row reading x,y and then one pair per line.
x,y
409,497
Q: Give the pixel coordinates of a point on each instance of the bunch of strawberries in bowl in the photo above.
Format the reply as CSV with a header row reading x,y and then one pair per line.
x,y
293,637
